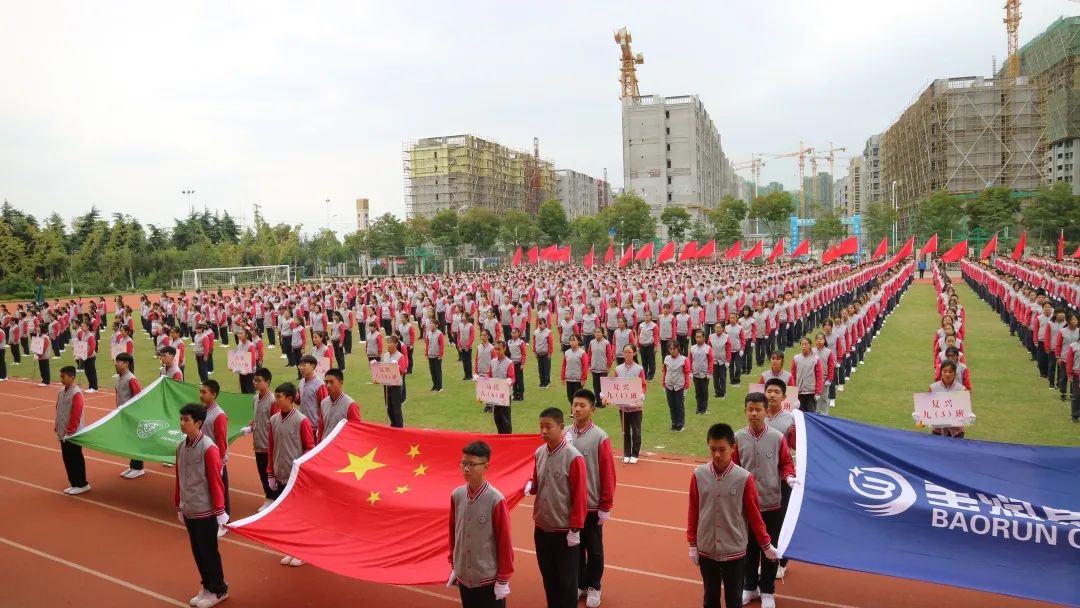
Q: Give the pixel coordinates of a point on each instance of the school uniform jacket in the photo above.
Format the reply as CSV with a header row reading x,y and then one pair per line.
x,y
595,447
481,550
767,456
559,480
198,491
289,438
69,411
723,504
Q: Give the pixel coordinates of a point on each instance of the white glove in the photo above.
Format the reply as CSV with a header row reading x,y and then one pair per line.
x,y
602,516
222,519
273,483
452,579
770,553
573,539
502,590
740,353
793,481
694,555
510,382
180,518
528,487
247,430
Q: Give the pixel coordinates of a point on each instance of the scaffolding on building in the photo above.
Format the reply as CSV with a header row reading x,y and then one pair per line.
x,y
1050,60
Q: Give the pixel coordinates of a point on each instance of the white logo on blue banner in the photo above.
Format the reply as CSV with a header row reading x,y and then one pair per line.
x,y
891,492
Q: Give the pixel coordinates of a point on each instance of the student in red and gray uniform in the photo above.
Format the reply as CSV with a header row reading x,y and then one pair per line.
x,y
394,396
723,511
764,452
630,416
720,342
3,354
783,421
42,357
263,407
575,367
1068,335
466,339
601,358
312,389
336,406
949,383
595,447
559,481
502,367
290,436
702,360
481,550
543,343
435,350
68,421
676,378
199,497
126,387
169,368
217,429
807,374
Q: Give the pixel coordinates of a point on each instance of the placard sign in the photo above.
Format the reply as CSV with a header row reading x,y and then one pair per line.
x,y
495,391
116,349
791,400
623,392
321,366
37,345
78,349
386,374
943,409
240,362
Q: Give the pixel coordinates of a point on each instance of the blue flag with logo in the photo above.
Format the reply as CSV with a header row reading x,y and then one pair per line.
x,y
995,517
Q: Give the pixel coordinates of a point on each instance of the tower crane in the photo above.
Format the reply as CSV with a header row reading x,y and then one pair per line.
x,y
802,153
830,156
1012,27
755,164
628,71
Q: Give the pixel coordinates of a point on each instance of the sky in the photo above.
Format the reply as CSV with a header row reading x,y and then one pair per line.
x,y
124,105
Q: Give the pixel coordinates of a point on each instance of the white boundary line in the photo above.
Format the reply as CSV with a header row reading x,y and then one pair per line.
x,y
651,488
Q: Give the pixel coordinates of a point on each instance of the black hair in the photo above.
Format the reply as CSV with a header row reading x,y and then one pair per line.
x,y
478,449
755,397
721,430
212,386
948,364
264,373
335,372
68,370
126,358
167,350
585,394
777,382
196,411
309,359
952,350
554,413
287,389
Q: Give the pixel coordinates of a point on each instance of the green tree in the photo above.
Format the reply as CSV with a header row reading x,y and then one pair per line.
x,y
878,220
939,214
775,210
23,225
727,220
417,231
701,232
355,243
386,235
586,232
1053,208
227,230
12,253
83,225
519,229
991,211
552,223
630,217
677,220
444,231
827,227
480,228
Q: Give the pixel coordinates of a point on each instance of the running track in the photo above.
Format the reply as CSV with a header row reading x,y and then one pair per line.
x,y
120,544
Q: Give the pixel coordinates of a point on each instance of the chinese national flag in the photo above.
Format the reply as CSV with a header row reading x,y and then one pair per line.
x,y
587,261
517,258
610,255
1021,243
991,247
373,502
776,251
734,251
627,256
930,246
564,255
755,252
667,253
534,255
802,249
958,251
882,248
688,252
707,251
645,253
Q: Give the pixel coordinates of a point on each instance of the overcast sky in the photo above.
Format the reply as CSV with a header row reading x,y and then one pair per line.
x,y
125,104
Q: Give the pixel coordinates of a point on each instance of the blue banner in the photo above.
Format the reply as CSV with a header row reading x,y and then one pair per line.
x,y
995,517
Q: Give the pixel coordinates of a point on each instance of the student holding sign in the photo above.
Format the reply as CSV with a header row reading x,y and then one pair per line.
x,y
502,368
122,343
39,347
948,384
242,360
394,396
631,413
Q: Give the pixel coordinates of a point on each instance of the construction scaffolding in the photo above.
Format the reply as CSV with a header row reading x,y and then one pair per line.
x,y
1050,60
465,171
963,135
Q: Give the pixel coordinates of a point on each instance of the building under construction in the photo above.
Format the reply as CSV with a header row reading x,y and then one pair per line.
x,y
963,135
466,171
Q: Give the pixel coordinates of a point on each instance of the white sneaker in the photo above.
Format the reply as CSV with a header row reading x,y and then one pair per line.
x,y
76,491
42,384
592,599
266,503
212,600
862,362
840,387
633,460
135,474
222,531
580,593
125,473
832,402
749,596
283,356
90,391
295,563
768,600
198,598
626,460
868,349
168,465
285,560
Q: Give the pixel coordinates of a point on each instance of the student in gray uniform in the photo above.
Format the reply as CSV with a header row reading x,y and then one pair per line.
x,y
291,436
69,420
263,407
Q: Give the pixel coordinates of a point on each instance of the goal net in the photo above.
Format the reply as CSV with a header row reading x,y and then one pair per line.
x,y
241,276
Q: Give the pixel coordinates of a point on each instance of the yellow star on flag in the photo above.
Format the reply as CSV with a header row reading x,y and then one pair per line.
x,y
359,466
373,498
420,470
402,489
414,451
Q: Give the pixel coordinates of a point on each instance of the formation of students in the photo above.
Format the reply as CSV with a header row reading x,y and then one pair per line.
x,y
1038,299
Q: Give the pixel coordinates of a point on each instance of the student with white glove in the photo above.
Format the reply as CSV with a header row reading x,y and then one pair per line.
x,y
290,437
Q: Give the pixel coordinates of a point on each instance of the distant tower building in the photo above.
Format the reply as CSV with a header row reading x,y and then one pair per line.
x,y
361,214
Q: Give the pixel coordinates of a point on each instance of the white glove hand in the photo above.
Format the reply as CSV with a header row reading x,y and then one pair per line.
x,y
573,539
273,483
222,519
180,518
793,481
602,516
247,430
740,353
528,487
770,553
510,382
694,555
502,590
452,579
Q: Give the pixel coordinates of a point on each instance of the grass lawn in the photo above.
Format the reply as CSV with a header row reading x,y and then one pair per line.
x,y
1011,401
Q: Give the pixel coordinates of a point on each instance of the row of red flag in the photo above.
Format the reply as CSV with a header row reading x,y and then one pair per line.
x,y
960,249
690,251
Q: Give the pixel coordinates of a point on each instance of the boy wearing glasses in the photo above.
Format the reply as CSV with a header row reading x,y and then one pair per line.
x,y
481,552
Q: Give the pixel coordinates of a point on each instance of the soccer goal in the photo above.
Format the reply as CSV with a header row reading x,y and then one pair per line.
x,y
212,278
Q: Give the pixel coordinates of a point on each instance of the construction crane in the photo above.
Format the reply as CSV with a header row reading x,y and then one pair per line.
x,y
755,164
1012,27
628,71
829,156
802,153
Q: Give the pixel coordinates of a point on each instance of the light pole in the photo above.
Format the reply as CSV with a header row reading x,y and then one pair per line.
x,y
897,211
188,194
327,214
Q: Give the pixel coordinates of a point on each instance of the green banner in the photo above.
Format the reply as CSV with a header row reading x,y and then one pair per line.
x,y
148,426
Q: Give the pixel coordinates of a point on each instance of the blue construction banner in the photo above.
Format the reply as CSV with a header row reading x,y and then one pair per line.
x,y
994,517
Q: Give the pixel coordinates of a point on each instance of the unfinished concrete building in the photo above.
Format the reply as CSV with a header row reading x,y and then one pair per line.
x,y
465,171
963,135
581,195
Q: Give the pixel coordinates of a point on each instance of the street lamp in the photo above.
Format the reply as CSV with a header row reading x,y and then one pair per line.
x,y
327,213
188,194
896,209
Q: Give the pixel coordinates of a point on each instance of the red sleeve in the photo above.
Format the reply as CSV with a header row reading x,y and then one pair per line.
x,y
644,382
500,523
692,513
130,347
735,455
450,555
794,375
586,361
966,380
307,438
76,414
712,360
578,493
787,465
403,362
221,433
818,381
656,334
511,374
752,513
523,353
562,371
212,460
831,365
1069,363
270,452
551,343
353,412
686,374
133,386
610,350
91,346
178,376
606,464
254,359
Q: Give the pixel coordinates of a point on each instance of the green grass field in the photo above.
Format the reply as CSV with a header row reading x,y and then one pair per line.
x,y
1012,403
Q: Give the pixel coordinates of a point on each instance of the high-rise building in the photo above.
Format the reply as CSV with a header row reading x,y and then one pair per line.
x,y
855,186
462,171
818,191
840,193
871,166
362,214
672,155
580,194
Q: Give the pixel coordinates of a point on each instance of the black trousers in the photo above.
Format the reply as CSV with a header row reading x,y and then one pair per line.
x,y
1075,404
754,557
16,353
759,349
261,460
729,574
631,433
270,336
676,401
519,381
393,396
223,333
348,342
339,355
596,381
225,487
648,360
719,378
200,363
733,369
571,388
74,463
409,349
808,403
501,414
558,564
247,384
684,344
591,550
479,597
90,368
466,363
43,367
3,363
701,394
286,348
435,365
543,366
204,548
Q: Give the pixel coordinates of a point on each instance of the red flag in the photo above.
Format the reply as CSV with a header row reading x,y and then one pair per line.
x,y
688,252
534,255
930,246
905,251
588,261
1021,244
1061,245
991,247
627,256
755,252
1076,254
802,249
564,255
734,251
958,251
882,249
848,246
550,253
707,251
610,255
667,253
776,251
370,501
829,255
517,258
645,253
